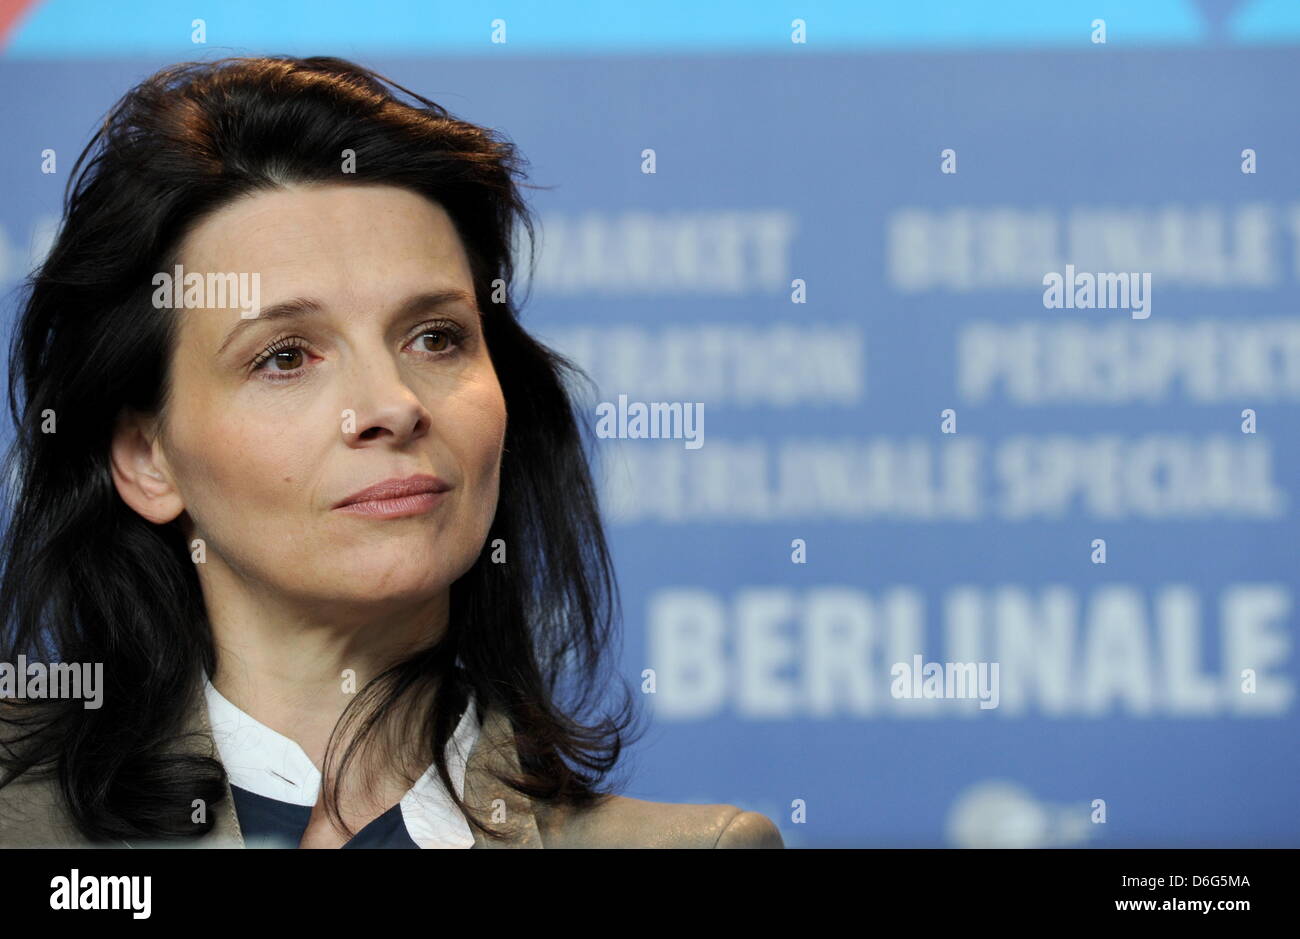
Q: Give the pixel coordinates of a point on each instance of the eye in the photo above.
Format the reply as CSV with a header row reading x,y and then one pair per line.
x,y
448,337
286,354
443,339
287,351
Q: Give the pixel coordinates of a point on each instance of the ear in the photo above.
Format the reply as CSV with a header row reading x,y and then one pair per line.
x,y
140,470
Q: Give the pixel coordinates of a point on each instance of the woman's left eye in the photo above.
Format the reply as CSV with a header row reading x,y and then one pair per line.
x,y
443,334
447,339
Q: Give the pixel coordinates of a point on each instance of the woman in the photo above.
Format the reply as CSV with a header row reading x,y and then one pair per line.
x,y
288,468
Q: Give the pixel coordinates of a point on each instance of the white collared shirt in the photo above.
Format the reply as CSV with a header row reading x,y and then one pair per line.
x,y
269,764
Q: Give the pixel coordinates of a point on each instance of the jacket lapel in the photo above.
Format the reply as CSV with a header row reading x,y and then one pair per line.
x,y
500,806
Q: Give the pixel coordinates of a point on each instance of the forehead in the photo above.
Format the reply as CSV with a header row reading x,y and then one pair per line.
x,y
356,240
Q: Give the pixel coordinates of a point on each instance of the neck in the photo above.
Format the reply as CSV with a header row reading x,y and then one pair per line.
x,y
296,664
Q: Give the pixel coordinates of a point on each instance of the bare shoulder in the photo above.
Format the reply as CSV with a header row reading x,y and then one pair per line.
x,y
622,822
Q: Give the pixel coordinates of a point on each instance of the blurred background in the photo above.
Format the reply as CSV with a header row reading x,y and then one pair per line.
x,y
821,230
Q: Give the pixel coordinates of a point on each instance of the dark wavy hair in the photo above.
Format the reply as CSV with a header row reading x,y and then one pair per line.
x,y
88,579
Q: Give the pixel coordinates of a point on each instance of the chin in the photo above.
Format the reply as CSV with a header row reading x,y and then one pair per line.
x,y
400,580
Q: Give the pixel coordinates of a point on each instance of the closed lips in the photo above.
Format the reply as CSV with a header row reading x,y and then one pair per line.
x,y
396,489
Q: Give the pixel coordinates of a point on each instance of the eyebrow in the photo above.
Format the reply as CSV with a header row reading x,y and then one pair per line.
x,y
298,307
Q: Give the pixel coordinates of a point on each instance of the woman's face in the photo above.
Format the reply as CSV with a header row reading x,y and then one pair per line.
x,y
274,420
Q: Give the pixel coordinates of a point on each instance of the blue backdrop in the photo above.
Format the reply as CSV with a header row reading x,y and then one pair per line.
x,y
834,250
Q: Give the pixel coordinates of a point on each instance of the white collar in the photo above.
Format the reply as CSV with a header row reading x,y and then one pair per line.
x,y
266,762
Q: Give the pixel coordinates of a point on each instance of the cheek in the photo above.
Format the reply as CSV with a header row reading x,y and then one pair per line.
x,y
230,467
499,432
484,435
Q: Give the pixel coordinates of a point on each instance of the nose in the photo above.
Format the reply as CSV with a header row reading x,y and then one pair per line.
x,y
379,405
